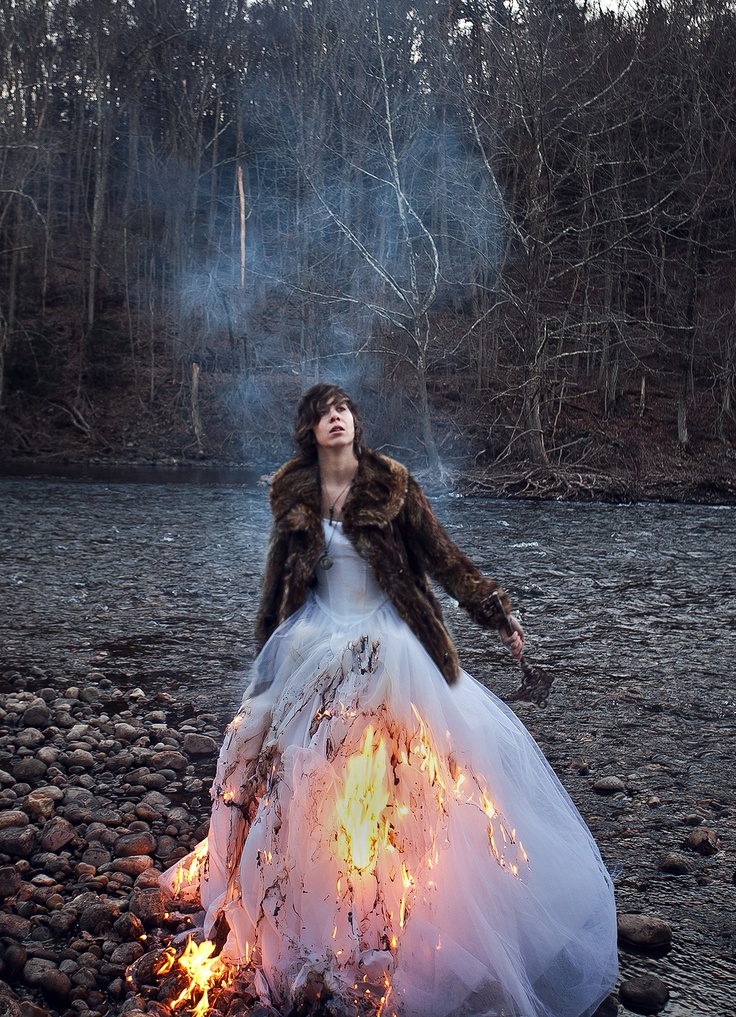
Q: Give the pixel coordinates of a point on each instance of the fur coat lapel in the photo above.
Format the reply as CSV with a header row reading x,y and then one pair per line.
x,y
389,522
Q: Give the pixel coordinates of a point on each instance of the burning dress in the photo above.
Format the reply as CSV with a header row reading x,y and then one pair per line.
x,y
384,839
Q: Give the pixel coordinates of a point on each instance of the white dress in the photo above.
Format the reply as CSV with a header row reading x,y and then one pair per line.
x,y
385,839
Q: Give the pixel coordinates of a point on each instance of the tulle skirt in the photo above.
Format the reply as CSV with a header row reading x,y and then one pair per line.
x,y
401,845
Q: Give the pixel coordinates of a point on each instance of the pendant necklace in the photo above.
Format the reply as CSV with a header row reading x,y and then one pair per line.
x,y
325,562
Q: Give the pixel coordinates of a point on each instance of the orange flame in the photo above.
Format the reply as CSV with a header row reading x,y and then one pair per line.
x,y
189,870
204,972
359,808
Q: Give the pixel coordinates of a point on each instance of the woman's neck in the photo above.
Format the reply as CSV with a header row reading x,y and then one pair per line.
x,y
337,466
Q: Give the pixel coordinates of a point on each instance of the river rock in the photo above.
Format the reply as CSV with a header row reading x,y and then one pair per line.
x,y
31,738
168,759
675,863
29,770
126,953
154,781
13,817
141,842
43,974
14,927
18,842
96,855
39,804
9,881
36,714
126,732
644,930
29,1009
149,905
57,833
608,785
9,1005
96,914
81,758
132,865
703,840
15,956
646,993
199,745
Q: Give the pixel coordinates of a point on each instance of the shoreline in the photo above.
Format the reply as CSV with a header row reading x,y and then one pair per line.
x,y
521,481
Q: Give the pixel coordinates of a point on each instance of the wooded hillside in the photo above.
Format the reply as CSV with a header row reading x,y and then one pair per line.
x,y
511,225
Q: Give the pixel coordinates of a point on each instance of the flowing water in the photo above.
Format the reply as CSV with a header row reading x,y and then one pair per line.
x,y
632,608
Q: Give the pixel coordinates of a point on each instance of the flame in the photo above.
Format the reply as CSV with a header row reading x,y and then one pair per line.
x,y
358,810
430,762
189,870
203,971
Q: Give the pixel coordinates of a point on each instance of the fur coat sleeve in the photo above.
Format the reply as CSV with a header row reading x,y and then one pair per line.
x,y
391,525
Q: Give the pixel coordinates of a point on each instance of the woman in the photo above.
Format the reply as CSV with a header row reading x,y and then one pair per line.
x,y
384,832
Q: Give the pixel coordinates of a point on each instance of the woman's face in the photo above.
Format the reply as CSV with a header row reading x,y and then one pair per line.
x,y
335,427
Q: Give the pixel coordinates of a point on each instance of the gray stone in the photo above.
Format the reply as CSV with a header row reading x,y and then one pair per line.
x,y
81,758
675,863
96,855
157,801
608,785
18,842
9,881
96,914
44,975
704,841
149,905
645,993
39,804
31,738
29,770
56,833
199,745
133,865
37,714
13,817
10,1006
127,732
168,759
126,953
14,927
142,842
644,930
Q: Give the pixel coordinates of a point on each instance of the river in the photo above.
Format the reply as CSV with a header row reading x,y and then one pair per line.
x,y
631,607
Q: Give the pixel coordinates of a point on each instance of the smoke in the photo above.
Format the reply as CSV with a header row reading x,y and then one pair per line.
x,y
365,207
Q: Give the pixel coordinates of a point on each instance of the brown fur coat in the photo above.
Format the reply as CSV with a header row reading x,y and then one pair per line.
x,y
389,522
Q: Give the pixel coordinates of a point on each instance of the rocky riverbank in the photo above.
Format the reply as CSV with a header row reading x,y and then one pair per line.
x,y
101,790
99,795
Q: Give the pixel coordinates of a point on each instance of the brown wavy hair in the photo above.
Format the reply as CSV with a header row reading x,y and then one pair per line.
x,y
312,405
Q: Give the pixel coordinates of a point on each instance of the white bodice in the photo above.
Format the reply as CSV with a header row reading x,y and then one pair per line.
x,y
348,589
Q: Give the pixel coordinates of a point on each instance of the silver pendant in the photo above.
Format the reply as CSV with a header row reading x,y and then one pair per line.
x,y
325,561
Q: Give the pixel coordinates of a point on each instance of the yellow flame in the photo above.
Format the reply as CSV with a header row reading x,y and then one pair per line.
x,y
166,962
203,972
359,808
430,762
189,873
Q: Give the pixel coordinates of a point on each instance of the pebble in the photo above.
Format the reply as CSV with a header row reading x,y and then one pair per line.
x,y
645,994
84,806
676,864
704,841
644,930
608,785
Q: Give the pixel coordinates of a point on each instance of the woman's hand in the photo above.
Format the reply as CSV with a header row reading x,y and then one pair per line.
x,y
513,640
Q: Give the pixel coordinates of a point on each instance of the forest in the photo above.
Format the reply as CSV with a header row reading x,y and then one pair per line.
x,y
508,227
